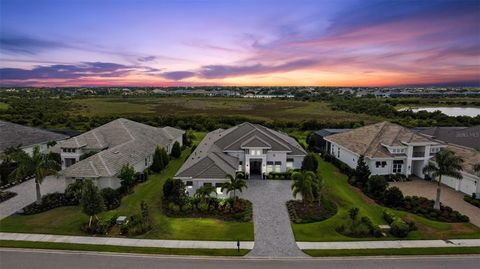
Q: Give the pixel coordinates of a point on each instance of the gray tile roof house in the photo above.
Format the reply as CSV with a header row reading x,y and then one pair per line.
x,y
13,135
463,136
246,147
118,142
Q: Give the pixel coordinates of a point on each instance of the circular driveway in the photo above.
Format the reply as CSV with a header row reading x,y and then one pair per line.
x,y
273,232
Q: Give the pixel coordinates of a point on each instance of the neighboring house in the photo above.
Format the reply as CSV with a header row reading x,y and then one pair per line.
x,y
321,144
388,148
470,183
116,143
392,149
463,136
16,135
251,148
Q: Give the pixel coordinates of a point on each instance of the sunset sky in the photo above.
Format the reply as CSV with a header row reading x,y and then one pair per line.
x,y
271,42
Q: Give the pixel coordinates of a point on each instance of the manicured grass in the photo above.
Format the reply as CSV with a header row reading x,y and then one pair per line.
x,y
289,110
4,106
391,251
122,249
339,190
67,220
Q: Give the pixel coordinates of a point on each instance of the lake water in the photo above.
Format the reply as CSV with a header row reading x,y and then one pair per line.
x,y
452,111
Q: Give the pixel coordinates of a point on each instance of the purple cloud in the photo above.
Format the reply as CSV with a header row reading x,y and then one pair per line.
x,y
147,59
178,75
27,45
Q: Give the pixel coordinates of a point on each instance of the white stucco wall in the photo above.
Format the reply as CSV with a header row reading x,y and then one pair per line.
x,y
468,184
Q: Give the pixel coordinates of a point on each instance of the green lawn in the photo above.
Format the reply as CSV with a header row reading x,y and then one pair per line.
x,y
346,197
123,249
391,251
67,220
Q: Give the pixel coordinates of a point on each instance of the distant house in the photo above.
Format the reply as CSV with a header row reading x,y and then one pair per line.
x,y
320,144
388,148
25,137
392,149
251,148
113,145
463,136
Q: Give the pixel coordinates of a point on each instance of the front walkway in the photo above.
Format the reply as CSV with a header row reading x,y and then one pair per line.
x,y
448,196
26,194
111,241
273,231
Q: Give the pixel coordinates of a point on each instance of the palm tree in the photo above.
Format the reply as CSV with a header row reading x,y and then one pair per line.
x,y
307,184
235,183
204,192
39,164
446,164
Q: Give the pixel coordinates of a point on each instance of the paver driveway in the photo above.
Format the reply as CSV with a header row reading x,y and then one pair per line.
x,y
450,197
273,232
26,194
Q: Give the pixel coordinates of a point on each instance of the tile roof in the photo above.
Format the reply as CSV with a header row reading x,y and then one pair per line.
x,y
470,157
209,160
463,136
13,135
369,140
120,142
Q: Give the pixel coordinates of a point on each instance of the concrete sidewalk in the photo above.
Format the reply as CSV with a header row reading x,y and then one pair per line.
x,y
391,244
125,241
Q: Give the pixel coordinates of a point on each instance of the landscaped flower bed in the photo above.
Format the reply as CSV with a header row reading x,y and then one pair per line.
x,y
5,195
310,212
471,200
424,207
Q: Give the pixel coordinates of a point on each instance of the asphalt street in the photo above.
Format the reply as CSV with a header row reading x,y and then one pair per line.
x,y
23,258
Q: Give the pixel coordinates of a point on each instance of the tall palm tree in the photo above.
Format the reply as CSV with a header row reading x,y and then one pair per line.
x,y
235,183
446,164
307,184
39,164
204,192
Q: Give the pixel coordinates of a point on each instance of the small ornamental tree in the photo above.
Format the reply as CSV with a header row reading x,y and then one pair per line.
x,y
376,186
353,213
176,150
393,197
310,163
165,157
174,191
91,201
362,172
158,163
127,176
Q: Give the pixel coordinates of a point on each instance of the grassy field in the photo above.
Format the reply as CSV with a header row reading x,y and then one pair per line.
x,y
392,251
4,106
288,110
67,220
123,249
346,197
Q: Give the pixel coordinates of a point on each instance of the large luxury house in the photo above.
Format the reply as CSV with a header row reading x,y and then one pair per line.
x,y
392,149
251,148
113,145
25,137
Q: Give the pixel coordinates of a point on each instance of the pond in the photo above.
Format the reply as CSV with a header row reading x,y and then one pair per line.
x,y
452,111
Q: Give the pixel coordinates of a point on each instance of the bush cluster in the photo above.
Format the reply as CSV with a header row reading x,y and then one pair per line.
x,y
355,227
312,212
424,207
398,227
49,201
280,175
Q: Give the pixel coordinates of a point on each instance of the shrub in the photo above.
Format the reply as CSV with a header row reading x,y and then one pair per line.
x,y
174,191
310,163
176,150
280,175
100,227
5,195
127,176
424,207
313,212
393,197
158,163
388,216
187,207
49,201
202,206
173,207
362,172
74,191
376,186
111,198
399,228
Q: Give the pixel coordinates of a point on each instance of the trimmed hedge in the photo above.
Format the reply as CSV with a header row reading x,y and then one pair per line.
x,y
49,201
280,175
471,200
316,211
5,195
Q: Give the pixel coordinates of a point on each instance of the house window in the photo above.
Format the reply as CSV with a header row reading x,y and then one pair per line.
x,y
247,151
264,151
380,164
278,166
189,184
207,184
269,167
146,161
338,153
289,164
397,166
